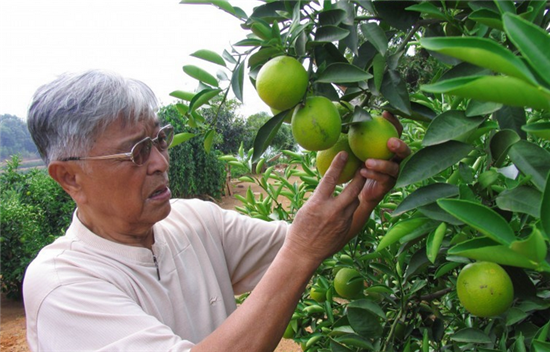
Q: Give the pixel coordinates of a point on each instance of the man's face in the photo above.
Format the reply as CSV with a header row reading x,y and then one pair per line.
x,y
120,199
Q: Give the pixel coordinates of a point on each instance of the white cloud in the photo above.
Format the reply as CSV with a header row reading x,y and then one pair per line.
x,y
145,39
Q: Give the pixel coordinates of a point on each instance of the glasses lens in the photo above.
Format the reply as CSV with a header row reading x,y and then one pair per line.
x,y
165,137
141,151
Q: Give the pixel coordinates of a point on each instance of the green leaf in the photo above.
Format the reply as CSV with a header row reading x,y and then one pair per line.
x,y
476,108
332,17
430,9
471,335
449,125
200,75
533,42
355,341
482,52
501,89
400,230
209,56
329,34
203,97
487,17
376,36
364,317
500,144
481,218
522,199
532,160
434,240
485,249
430,161
208,138
237,81
378,67
539,129
425,195
396,13
180,138
180,94
545,208
394,89
533,247
266,133
342,73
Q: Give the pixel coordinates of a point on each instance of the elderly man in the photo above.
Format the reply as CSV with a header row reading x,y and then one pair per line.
x,y
137,270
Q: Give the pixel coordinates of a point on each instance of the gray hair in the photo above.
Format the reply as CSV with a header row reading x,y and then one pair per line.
x,y
67,114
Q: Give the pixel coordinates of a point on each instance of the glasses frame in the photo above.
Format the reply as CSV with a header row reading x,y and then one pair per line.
x,y
130,155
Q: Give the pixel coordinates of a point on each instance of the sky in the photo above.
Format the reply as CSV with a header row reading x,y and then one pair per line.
x,y
149,40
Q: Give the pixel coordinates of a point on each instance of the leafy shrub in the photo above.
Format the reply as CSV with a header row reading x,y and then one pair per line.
x,y
193,171
34,211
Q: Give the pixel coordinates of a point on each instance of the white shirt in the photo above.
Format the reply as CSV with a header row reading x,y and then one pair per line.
x,y
84,292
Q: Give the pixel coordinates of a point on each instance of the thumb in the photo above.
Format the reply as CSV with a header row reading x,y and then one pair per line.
x,y
330,180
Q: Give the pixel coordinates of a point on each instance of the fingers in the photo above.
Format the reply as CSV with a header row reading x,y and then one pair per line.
x,y
329,181
399,148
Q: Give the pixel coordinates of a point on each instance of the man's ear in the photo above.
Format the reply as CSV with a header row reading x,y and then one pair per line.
x,y
68,177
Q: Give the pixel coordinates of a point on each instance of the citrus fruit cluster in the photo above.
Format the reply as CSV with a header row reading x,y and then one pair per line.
x,y
316,121
484,289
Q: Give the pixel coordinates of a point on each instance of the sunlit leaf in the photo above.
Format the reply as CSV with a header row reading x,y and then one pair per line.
x,y
180,138
180,94
533,247
202,97
208,139
501,89
484,249
200,75
539,129
209,56
532,41
481,52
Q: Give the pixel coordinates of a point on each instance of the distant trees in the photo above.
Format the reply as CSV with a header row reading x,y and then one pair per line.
x,y
15,138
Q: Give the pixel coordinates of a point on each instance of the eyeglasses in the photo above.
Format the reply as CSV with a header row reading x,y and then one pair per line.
x,y
140,151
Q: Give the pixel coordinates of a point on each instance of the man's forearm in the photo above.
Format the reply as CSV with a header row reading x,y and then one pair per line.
x,y
259,323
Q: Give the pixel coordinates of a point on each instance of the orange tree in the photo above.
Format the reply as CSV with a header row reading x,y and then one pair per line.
x,y
470,83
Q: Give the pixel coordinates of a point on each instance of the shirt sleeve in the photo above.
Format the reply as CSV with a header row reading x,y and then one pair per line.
x,y
97,316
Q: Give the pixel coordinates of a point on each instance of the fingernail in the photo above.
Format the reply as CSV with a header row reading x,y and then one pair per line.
x,y
394,143
343,156
370,163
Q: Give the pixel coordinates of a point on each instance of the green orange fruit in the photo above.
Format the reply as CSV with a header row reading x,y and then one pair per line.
x,y
316,125
369,139
282,82
325,157
348,283
318,294
484,289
